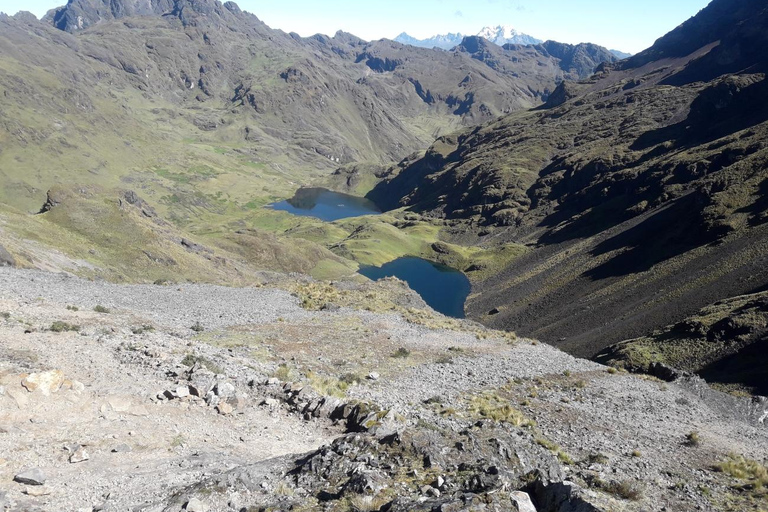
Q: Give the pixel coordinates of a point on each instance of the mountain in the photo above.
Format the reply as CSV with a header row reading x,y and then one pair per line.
x,y
505,34
445,42
499,35
201,115
621,55
640,192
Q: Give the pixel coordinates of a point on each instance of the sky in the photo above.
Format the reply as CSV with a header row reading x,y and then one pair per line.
x,y
626,25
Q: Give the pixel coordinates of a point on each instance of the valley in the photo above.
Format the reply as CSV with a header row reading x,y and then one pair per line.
x,y
245,270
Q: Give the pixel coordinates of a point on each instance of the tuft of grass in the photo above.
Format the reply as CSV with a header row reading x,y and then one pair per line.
x,y
401,353
101,309
327,386
177,441
365,503
142,329
285,373
692,438
59,326
597,458
556,449
624,489
5,315
491,406
191,359
73,308
752,473
197,327
637,454
612,370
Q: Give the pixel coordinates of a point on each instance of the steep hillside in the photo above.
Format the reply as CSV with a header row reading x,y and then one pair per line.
x,y
642,190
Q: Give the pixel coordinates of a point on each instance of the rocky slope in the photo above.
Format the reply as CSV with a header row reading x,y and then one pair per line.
x,y
197,397
641,191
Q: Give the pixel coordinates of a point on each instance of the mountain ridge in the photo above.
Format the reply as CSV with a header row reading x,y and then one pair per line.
x,y
499,35
622,185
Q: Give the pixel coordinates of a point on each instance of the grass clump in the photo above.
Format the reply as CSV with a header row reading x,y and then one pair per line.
x,y
692,438
191,360
624,489
73,308
101,309
636,453
556,449
142,329
285,373
59,326
752,473
491,406
401,353
327,386
197,327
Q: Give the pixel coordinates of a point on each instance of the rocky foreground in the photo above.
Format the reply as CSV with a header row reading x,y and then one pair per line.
x,y
291,396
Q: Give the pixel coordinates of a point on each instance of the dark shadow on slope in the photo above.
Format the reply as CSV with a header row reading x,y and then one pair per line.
x,y
748,366
670,232
728,106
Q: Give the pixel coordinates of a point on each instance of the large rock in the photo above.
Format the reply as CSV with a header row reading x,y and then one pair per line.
x,y
34,476
521,502
6,259
45,382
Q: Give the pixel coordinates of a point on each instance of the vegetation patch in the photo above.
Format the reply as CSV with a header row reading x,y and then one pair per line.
x,y
59,326
490,405
192,359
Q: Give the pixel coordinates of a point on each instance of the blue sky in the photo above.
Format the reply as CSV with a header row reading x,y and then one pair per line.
x,y
628,25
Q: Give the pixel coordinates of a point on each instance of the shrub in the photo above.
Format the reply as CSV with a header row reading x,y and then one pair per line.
x,y
73,308
625,489
692,438
401,353
556,449
750,471
636,453
191,359
101,309
492,406
142,329
197,327
59,326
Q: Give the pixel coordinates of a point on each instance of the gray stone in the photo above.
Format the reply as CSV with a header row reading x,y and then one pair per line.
x,y
224,389
34,476
373,376
521,502
79,455
6,260
195,505
122,448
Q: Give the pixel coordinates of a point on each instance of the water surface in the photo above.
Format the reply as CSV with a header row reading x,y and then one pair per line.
x,y
326,205
443,288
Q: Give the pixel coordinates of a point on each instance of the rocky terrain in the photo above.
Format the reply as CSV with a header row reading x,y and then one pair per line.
x,y
640,191
195,397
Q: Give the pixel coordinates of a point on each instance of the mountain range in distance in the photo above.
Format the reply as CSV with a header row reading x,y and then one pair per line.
x,y
500,35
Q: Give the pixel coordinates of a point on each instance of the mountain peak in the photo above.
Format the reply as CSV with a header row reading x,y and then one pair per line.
x,y
500,35
78,15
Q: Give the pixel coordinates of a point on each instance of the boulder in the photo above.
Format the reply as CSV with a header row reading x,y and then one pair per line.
x,y
46,382
34,476
521,502
196,505
6,259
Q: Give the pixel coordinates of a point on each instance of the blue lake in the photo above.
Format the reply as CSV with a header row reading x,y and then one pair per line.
x,y
443,288
326,205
